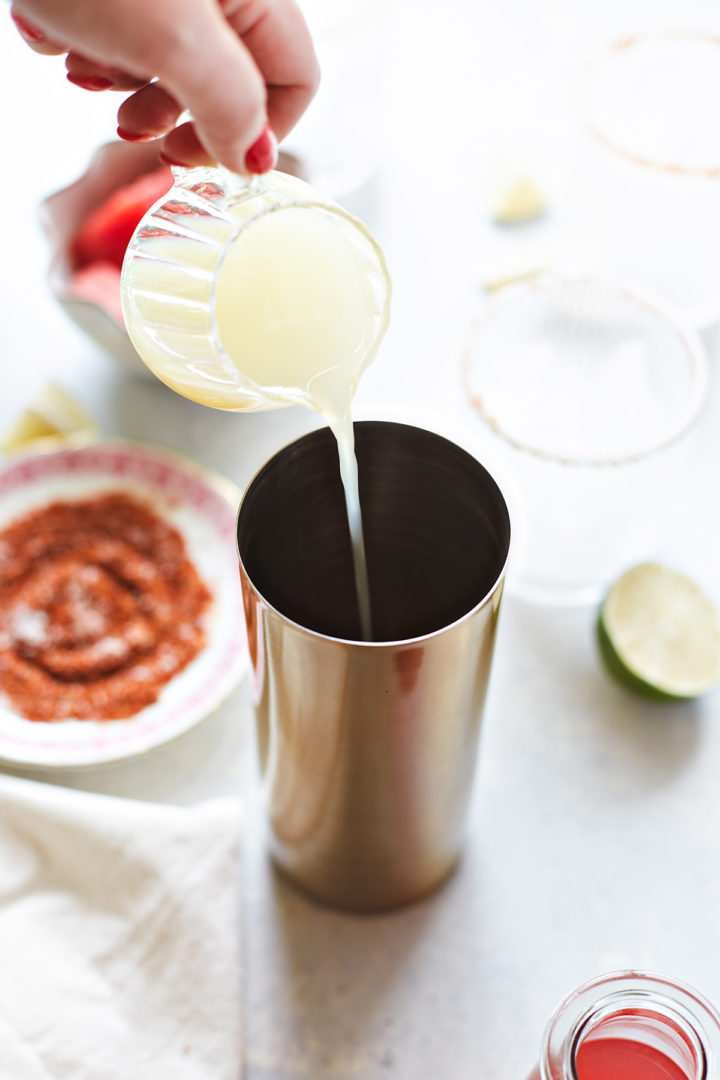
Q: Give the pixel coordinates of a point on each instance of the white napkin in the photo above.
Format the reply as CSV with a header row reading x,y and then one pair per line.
x,y
119,937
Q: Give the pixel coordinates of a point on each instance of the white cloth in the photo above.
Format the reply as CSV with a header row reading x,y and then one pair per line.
x,y
119,937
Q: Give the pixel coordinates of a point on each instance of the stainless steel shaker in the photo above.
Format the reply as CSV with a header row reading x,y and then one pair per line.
x,y
368,749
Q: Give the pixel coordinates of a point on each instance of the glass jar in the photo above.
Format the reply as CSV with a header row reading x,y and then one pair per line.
x,y
631,1025
173,284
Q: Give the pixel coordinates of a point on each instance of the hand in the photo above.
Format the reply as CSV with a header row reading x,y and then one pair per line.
x,y
236,65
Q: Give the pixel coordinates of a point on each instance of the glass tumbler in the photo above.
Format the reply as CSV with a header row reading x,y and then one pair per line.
x,y
650,167
170,280
588,392
631,1025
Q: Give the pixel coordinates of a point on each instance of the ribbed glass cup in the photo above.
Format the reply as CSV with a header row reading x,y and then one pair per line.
x,y
171,269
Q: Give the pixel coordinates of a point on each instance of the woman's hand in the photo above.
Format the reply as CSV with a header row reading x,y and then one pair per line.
x,y
238,66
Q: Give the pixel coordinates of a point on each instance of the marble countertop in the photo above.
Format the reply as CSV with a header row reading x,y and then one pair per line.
x,y
594,833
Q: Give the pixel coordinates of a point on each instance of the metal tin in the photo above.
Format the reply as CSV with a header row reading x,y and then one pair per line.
x,y
368,749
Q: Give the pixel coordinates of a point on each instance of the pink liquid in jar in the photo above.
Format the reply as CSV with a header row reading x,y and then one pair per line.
x,y
634,1045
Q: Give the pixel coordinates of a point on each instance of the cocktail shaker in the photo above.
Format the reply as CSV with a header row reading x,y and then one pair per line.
x,y
368,748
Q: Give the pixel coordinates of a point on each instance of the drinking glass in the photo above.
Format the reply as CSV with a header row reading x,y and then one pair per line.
x,y
588,392
649,206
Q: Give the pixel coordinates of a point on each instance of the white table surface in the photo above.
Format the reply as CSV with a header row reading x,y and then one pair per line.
x,y
594,834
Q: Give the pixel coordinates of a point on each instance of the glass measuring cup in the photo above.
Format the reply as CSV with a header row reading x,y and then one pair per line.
x,y
173,280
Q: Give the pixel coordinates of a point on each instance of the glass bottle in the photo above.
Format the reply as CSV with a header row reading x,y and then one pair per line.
x,y
631,1025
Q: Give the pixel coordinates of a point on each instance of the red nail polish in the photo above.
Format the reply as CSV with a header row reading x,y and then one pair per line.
x,y
134,136
30,31
171,161
90,82
262,155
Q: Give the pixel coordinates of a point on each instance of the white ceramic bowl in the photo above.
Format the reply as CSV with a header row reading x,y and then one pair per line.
x,y
202,507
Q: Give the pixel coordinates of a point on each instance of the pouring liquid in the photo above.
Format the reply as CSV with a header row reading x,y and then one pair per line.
x,y
295,311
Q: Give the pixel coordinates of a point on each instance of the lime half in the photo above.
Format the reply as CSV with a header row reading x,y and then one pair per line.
x,y
659,634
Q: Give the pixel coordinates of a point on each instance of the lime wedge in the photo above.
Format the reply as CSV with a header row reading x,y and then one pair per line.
x,y
521,200
511,275
659,634
54,413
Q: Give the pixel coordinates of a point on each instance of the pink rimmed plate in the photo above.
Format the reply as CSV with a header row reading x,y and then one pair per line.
x,y
202,507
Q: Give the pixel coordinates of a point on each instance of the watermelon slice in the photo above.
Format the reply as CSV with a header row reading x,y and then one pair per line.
x,y
106,233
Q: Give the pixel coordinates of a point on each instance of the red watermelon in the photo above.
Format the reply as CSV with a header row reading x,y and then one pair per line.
x,y
106,233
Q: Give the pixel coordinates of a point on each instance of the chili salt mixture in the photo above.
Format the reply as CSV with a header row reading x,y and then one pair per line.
x,y
100,607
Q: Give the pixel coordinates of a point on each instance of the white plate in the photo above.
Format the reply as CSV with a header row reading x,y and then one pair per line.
x,y
202,508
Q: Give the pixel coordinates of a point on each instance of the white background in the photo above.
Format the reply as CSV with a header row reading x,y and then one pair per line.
x,y
595,831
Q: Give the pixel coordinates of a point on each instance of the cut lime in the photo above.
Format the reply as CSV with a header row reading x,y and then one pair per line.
x,y
54,414
659,634
521,200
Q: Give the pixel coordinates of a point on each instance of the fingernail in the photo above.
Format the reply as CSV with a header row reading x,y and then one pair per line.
x,y
30,31
167,160
263,154
133,136
90,82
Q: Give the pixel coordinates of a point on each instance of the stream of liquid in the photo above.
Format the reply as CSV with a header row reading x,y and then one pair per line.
x,y
343,431
296,312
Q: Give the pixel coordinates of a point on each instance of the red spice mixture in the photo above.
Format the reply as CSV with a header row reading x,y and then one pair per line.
x,y
99,608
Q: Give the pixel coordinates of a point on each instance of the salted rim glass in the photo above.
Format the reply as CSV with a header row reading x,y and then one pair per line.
x,y
651,175
583,372
652,98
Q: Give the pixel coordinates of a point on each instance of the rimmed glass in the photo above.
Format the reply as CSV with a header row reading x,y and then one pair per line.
x,y
651,169
590,391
